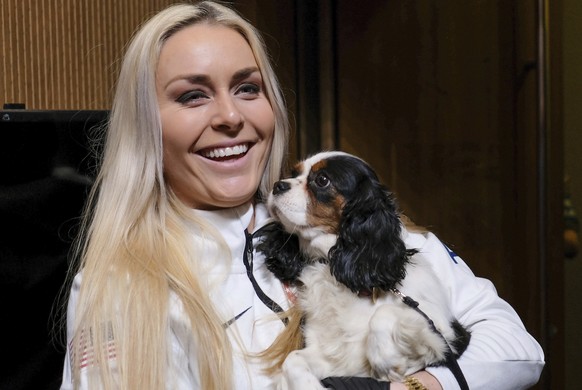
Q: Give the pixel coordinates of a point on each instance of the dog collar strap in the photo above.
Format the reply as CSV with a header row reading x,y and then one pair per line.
x,y
451,362
374,293
248,262
410,302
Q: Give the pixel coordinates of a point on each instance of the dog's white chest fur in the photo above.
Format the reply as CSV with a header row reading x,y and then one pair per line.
x,y
335,328
349,335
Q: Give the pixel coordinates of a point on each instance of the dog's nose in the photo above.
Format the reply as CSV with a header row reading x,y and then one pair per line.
x,y
280,187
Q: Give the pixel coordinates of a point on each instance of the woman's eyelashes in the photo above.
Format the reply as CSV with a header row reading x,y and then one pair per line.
x,y
248,90
192,97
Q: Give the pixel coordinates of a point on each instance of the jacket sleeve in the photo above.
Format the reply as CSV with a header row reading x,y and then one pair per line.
x,y
501,354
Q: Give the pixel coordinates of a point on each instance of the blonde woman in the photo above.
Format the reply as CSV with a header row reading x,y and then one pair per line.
x,y
197,134
168,292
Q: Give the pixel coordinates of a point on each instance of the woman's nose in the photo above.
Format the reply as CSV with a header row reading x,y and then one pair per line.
x,y
227,116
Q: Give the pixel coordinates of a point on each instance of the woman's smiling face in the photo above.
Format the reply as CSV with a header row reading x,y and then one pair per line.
x,y
217,124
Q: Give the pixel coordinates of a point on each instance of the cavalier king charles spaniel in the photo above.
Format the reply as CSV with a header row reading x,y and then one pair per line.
x,y
369,306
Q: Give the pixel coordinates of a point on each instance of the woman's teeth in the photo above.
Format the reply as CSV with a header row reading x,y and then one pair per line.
x,y
226,152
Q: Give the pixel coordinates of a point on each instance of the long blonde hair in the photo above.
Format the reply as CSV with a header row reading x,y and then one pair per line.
x,y
133,247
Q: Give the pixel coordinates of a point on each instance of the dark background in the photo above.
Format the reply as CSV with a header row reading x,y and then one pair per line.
x,y
46,169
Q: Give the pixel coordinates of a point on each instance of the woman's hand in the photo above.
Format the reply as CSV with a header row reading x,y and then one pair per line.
x,y
426,379
359,383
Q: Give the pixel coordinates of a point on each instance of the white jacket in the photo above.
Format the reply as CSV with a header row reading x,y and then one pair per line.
x,y
501,354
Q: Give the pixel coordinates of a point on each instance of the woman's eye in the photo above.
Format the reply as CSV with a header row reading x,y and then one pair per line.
x,y
191,96
250,89
322,181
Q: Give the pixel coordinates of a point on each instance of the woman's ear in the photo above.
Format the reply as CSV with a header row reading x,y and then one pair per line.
x,y
369,252
283,256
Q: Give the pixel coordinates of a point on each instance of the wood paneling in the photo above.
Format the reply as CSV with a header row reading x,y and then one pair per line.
x,y
424,102
65,54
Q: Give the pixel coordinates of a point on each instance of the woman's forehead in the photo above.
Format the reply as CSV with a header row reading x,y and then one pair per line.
x,y
204,48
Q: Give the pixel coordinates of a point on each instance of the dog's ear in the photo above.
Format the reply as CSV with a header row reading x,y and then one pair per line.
x,y
283,256
369,252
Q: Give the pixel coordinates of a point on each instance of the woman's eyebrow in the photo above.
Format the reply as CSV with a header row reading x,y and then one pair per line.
x,y
192,79
243,73
238,76
198,79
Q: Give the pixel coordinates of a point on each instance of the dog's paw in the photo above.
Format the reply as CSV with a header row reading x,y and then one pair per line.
x,y
400,343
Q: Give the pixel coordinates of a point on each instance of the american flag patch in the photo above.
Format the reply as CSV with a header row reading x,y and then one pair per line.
x,y
84,346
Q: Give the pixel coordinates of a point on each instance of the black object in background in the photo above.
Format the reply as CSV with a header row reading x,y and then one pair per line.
x,y
46,170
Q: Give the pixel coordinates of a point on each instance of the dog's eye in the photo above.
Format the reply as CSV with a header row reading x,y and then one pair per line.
x,y
321,181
